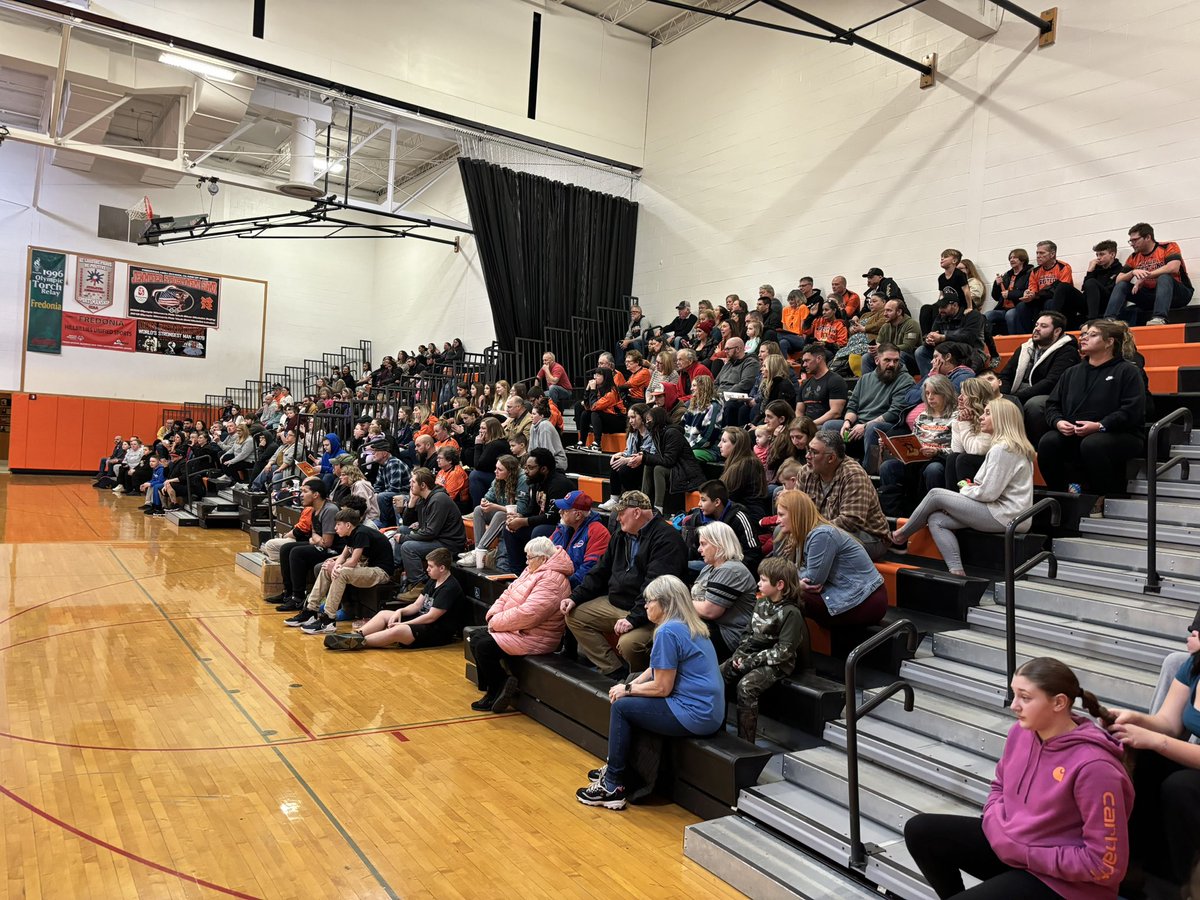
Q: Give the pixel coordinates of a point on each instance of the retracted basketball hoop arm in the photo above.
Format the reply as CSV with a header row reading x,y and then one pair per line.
x,y
322,216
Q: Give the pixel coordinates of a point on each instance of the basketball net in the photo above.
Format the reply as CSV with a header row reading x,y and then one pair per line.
x,y
141,210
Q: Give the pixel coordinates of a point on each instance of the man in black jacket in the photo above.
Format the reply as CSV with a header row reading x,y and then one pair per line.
x,y
681,326
546,484
610,601
438,524
1100,278
1036,367
950,324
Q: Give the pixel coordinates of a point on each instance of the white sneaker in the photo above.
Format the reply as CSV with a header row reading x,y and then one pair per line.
x,y
118,490
607,506
467,560
1157,320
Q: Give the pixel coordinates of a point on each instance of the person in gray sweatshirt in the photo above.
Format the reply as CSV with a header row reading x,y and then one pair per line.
x,y
877,404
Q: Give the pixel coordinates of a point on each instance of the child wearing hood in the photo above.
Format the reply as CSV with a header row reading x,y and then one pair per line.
x,y
1056,821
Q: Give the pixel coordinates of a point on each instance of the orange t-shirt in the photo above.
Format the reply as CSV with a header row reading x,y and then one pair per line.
x,y
1162,254
831,331
1041,278
637,384
852,303
794,318
454,481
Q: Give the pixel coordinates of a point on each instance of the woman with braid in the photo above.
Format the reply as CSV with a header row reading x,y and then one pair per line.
x,y
1056,821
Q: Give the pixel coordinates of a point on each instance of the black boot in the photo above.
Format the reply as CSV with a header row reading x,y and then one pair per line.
x,y
747,721
487,701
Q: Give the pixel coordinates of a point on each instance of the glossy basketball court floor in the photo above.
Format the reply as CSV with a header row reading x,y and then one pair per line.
x,y
163,735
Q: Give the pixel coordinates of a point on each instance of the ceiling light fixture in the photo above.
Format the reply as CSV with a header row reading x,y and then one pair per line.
x,y
198,66
336,167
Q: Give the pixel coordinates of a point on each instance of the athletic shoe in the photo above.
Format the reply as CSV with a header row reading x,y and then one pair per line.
x,y
504,700
598,795
294,605
158,513
596,774
352,641
146,506
301,618
484,703
283,597
118,490
1157,320
342,615
607,506
320,625
467,560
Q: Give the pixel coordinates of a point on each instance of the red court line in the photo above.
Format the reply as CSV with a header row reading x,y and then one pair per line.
x,y
285,743
463,721
245,668
399,735
183,876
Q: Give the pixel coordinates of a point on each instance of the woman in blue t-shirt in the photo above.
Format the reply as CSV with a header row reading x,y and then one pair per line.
x,y
681,694
1164,830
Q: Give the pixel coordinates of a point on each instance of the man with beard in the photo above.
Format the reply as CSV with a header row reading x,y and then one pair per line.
x,y
843,492
876,404
900,330
546,484
1036,367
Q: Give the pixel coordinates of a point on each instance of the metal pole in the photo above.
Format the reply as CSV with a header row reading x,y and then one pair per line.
x,y
733,17
840,35
1037,21
349,144
1010,610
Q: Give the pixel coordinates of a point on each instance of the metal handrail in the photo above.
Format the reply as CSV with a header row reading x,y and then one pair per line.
x,y
858,850
1153,470
1012,572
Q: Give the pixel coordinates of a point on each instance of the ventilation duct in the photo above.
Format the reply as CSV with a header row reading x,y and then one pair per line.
x,y
303,148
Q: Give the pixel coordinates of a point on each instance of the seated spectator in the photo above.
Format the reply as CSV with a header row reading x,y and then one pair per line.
x,y
424,451
365,561
771,647
736,376
546,484
830,327
679,328
152,488
297,559
581,532
901,482
777,417
951,360
639,377
839,584
974,284
544,434
500,396
847,301
723,592
879,285
754,333
438,524
1008,289
715,506
702,420
968,444
518,421
863,329
281,467
434,618
602,410
1068,841
518,446
104,475
352,483
1051,288
950,324
689,369
391,480
442,437
465,429
875,405
705,338
679,695
635,335
1036,367
238,459
1154,278
508,493
1100,278
952,282
823,393
610,599
129,462
626,472
525,620
1095,413
490,445
1163,831
1001,490
744,476
664,371
800,431
669,469
899,330
844,493
795,326
553,378
452,477
775,386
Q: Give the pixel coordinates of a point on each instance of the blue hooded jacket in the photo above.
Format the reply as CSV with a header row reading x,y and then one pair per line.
x,y
335,446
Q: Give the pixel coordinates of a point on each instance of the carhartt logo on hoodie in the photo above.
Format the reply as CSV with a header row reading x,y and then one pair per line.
x,y
1059,773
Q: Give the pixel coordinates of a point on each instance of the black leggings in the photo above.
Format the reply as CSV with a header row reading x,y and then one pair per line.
x,y
489,659
1164,827
943,847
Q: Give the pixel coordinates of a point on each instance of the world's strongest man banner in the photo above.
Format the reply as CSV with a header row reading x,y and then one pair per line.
x,y
176,297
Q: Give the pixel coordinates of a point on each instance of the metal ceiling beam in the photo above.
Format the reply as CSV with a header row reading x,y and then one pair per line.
x,y
107,111
237,133
734,17
842,36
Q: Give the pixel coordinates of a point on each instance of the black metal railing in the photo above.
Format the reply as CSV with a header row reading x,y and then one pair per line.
x,y
1153,470
1012,572
854,712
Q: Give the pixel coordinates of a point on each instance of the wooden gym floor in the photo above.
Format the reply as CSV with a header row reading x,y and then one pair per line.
x,y
163,735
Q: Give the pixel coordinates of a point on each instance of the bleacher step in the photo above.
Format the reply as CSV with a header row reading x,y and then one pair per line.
x,y
1180,535
1109,579
182,518
1128,554
1127,611
1178,490
252,561
1100,641
822,827
762,865
955,679
1137,509
979,729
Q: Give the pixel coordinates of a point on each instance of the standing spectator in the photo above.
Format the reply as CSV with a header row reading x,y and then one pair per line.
x,y
1037,366
776,640
702,420
544,434
526,619
843,492
901,331
1095,413
1051,287
1002,489
1154,277
679,695
951,324
678,329
1100,279
581,532
723,592
438,524
635,336
876,404
555,382
951,283
602,410
610,600
546,484
391,480
823,393
1008,289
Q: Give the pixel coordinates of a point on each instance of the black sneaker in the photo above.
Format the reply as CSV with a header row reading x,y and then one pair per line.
x,y
284,597
294,605
504,700
157,512
301,618
484,703
597,794
596,774
320,624
343,641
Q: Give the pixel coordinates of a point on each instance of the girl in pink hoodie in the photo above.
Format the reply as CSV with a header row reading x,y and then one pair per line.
x,y
1055,823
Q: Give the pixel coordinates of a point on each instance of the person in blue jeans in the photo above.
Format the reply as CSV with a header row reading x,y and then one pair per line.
x,y
1153,278
680,695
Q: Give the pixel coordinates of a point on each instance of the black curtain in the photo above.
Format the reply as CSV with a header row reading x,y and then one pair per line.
x,y
549,250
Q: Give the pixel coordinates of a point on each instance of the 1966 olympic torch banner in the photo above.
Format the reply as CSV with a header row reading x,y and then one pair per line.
x,y
176,297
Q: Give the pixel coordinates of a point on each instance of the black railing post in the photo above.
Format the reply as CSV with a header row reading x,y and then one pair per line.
x,y
1153,470
1012,572
858,850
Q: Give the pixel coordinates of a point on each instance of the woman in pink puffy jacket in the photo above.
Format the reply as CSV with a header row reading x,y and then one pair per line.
x,y
524,620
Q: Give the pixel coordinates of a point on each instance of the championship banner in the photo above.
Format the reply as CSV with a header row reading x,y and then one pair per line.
x,y
99,332
93,283
174,297
47,275
171,340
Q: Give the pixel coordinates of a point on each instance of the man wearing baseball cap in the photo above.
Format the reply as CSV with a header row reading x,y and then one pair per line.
x,y
681,326
880,284
609,601
581,532
391,479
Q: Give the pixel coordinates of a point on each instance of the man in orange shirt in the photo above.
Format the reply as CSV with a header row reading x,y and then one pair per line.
x,y
849,301
1051,289
1154,278
796,324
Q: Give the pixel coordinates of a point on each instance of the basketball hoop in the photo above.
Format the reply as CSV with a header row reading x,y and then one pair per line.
x,y
141,211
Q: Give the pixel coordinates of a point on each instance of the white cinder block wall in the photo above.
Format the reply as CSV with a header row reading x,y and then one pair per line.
x,y
772,156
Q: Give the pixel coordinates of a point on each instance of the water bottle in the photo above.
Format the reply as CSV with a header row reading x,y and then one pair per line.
x,y
1074,488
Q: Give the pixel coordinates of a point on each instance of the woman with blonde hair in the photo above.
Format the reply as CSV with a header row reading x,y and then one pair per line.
x,y
500,397
239,459
1001,490
680,695
353,479
702,420
839,583
968,445
664,371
